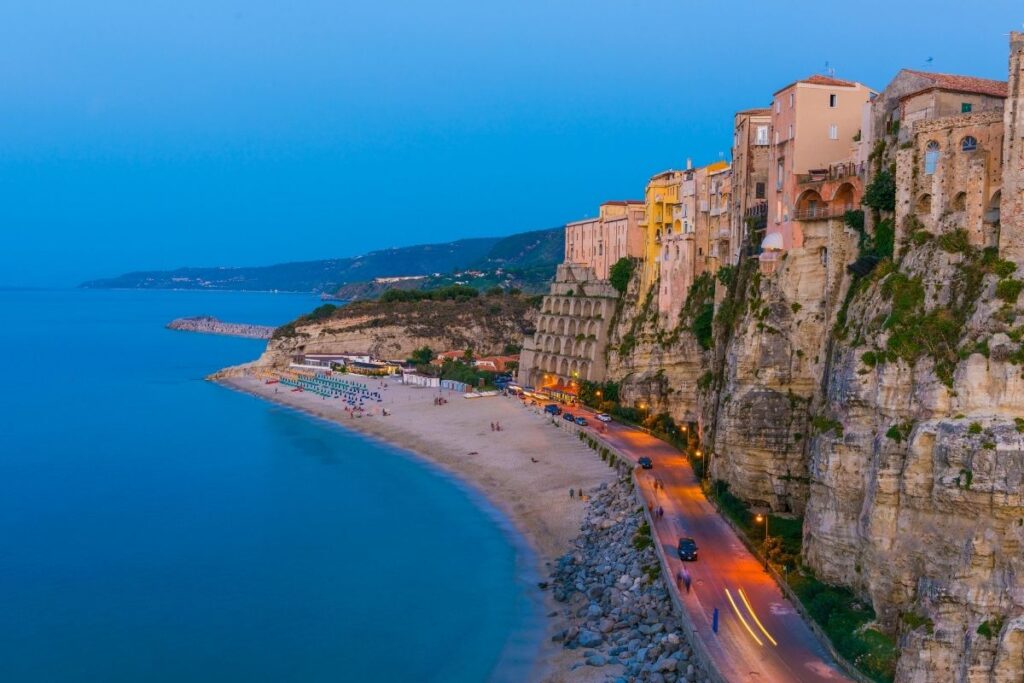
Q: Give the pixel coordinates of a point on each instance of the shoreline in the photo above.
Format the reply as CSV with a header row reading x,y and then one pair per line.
x,y
530,506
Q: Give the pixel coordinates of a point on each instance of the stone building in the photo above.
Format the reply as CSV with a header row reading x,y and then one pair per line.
x,y
950,177
661,210
571,333
748,201
599,242
1011,233
949,164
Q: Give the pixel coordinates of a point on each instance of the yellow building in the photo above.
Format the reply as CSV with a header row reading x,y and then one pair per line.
x,y
660,201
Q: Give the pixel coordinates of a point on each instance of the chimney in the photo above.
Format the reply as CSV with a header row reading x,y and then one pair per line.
x,y
1011,209
689,163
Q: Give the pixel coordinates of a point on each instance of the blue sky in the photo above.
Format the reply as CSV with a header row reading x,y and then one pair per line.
x,y
139,135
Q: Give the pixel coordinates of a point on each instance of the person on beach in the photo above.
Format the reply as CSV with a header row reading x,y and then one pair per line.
x,y
572,494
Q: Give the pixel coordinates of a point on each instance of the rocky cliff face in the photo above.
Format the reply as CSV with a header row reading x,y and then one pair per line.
x,y
915,494
393,330
888,410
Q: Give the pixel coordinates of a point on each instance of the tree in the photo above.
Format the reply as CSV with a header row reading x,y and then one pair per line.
x,y
620,274
422,356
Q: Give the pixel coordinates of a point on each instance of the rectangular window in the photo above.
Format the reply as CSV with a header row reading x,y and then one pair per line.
x,y
833,132
965,107
779,171
758,190
832,100
792,99
776,137
762,135
778,106
791,131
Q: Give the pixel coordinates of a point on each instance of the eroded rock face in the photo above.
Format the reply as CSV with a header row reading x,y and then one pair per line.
x,y
395,330
917,501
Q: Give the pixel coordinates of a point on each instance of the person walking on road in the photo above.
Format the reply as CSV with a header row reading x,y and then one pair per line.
x,y
687,580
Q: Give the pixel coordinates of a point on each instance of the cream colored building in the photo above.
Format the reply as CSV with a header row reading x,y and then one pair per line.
x,y
614,234
815,125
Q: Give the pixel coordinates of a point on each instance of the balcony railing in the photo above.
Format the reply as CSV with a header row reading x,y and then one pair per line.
x,y
821,212
834,172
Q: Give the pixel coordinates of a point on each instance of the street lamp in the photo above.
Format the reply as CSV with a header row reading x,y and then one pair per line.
x,y
764,518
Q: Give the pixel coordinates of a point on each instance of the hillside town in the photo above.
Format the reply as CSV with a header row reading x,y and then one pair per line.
x,y
798,168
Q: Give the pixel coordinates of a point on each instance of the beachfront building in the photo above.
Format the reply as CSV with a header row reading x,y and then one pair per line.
x,y
815,128
571,333
601,241
748,210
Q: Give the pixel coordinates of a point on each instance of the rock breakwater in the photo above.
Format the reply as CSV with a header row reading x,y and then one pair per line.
x,y
207,324
616,606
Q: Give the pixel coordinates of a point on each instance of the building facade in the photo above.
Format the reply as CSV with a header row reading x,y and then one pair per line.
x,y
599,242
815,126
571,333
749,198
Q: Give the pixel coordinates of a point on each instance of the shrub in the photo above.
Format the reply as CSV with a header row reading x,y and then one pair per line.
x,y
974,428
990,628
421,356
1019,423
1004,268
915,621
705,381
620,274
702,325
1008,289
823,424
869,358
955,242
881,193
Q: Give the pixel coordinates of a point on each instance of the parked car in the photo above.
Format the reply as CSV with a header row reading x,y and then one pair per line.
x,y
604,417
646,463
552,409
582,421
687,549
568,417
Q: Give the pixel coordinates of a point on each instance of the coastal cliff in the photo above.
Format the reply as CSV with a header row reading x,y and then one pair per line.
x,y
395,328
886,409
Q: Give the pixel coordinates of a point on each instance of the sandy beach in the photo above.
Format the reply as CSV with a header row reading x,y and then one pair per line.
x,y
525,470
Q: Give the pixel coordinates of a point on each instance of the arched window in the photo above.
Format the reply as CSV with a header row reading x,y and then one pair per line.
x,y
931,157
969,144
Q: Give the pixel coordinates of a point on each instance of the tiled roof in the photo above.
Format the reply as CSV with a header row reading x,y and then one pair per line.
x,y
757,111
623,202
967,84
818,79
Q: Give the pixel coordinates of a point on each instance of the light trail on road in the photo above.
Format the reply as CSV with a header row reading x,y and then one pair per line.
x,y
743,619
757,621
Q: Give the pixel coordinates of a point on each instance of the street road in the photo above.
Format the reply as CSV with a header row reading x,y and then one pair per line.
x,y
761,637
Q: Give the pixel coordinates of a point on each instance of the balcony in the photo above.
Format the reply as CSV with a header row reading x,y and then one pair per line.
x,y
822,212
834,172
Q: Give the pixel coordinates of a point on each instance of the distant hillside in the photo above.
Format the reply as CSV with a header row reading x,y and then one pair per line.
x,y
529,255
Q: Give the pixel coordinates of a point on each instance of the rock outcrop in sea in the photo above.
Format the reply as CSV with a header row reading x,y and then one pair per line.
x,y
616,606
209,325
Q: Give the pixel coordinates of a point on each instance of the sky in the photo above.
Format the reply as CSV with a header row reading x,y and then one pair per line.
x,y
140,135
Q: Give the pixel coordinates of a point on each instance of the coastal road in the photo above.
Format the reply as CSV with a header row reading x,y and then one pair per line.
x,y
761,637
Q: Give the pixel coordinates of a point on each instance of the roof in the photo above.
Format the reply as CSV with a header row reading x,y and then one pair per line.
x,y
818,79
965,84
757,111
717,166
622,202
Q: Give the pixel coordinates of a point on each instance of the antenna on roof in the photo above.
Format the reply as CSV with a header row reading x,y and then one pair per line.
x,y
830,70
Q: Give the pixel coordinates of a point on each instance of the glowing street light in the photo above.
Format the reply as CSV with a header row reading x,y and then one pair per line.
x,y
764,518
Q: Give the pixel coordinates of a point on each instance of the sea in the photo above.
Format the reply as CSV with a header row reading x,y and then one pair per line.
x,y
157,527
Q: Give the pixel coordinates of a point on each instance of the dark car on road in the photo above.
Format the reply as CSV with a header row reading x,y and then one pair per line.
x,y
552,409
687,549
646,463
582,421
568,417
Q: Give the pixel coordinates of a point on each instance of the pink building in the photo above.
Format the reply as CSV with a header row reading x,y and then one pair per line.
x,y
816,123
599,242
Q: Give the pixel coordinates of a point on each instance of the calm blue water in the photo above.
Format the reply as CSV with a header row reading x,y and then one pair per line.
x,y
157,527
